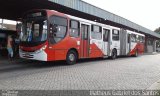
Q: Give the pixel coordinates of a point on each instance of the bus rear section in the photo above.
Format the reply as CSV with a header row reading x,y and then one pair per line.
x,y
131,43
123,42
136,43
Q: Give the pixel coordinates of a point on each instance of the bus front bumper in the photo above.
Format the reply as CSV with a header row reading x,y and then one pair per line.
x,y
40,56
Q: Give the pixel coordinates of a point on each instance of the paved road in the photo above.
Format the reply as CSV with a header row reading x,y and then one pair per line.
x,y
123,73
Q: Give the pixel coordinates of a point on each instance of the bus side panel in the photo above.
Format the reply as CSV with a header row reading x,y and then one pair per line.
x,y
134,47
51,54
137,46
59,51
95,51
141,48
60,54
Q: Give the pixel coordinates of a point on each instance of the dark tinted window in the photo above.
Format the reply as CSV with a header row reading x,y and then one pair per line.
x,y
129,38
2,35
34,30
141,39
58,20
115,35
133,38
58,29
61,31
74,24
96,32
95,28
106,34
138,38
74,32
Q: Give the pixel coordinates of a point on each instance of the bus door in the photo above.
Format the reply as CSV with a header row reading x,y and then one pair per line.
x,y
129,43
106,42
85,40
115,44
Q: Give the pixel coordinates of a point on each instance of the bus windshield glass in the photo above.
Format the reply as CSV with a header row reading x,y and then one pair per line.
x,y
34,30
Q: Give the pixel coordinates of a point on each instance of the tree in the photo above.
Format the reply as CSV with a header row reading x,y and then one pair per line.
x,y
158,31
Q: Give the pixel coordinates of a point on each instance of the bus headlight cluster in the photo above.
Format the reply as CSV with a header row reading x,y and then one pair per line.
x,y
42,49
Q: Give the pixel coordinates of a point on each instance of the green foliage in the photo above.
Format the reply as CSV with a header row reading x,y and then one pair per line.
x,y
158,42
157,30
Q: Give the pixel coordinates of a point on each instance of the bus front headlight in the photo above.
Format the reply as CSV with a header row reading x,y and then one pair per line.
x,y
42,49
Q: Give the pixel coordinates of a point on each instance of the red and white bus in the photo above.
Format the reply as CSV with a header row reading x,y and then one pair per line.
x,y
48,35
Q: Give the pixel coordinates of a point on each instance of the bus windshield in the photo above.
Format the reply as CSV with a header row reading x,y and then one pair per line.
x,y
34,30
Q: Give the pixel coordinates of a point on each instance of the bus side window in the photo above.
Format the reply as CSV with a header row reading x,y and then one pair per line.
x,y
52,30
74,31
129,38
133,38
138,38
96,32
57,29
115,35
106,35
143,39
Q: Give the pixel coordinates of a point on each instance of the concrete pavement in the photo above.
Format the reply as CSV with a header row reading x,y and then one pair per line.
x,y
127,73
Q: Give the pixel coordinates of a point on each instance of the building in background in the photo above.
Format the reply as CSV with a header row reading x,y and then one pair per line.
x,y
6,28
7,24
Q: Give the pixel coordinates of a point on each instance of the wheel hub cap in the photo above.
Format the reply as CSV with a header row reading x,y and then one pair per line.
x,y
71,57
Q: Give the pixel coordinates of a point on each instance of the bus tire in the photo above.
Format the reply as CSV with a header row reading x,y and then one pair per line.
x,y
71,57
114,54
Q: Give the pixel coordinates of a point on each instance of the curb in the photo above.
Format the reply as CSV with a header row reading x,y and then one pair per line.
x,y
152,53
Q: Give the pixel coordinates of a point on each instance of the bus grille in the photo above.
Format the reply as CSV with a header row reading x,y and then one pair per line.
x,y
28,51
27,56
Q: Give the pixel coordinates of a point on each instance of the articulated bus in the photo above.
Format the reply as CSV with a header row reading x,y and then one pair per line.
x,y
48,35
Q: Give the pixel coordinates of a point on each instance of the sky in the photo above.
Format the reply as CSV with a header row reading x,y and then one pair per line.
x,y
143,12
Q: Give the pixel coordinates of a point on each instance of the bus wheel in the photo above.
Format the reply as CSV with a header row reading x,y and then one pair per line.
x,y
136,53
71,57
114,54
